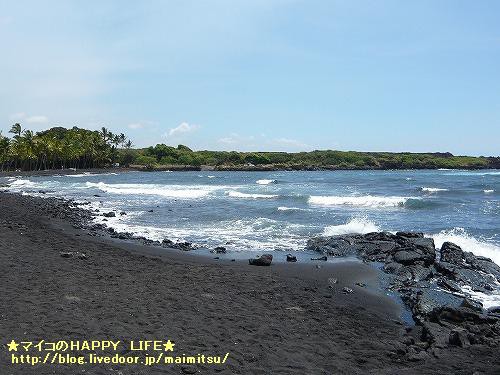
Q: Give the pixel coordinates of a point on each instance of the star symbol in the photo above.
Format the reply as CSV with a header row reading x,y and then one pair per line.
x,y
12,346
169,346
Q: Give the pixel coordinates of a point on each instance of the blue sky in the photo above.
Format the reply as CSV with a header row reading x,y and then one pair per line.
x,y
258,74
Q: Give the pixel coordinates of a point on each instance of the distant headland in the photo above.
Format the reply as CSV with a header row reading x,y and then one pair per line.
x,y
58,148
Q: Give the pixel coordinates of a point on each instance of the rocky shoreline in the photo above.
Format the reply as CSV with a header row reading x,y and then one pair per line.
x,y
430,281
230,168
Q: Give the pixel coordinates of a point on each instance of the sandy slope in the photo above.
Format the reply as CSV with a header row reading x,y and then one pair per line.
x,y
284,319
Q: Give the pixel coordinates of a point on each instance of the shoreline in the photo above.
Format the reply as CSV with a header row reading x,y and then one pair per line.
x,y
181,168
258,314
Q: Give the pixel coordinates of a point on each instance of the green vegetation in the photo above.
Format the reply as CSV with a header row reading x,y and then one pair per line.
x,y
162,155
61,148
80,148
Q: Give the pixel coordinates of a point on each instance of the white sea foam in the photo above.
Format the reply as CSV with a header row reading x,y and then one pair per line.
x,y
488,300
283,208
474,173
265,182
356,225
22,183
432,189
361,201
238,194
468,243
88,174
488,191
244,234
169,191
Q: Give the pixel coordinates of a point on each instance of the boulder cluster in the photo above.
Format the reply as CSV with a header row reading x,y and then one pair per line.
x,y
435,284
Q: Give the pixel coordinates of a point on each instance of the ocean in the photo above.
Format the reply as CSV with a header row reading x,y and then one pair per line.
x,y
280,211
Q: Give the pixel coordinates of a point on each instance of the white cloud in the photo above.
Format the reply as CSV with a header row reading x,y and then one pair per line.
x,y
34,119
136,125
38,119
183,128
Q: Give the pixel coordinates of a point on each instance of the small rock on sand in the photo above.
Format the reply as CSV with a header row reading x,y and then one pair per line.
x,y
188,370
263,260
219,250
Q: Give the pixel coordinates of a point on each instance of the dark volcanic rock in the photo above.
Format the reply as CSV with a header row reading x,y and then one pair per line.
x,y
109,214
291,258
263,260
392,267
184,246
167,243
410,234
219,250
407,257
432,288
451,253
458,337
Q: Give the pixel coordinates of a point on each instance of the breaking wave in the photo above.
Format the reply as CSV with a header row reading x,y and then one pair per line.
x,y
360,201
284,208
238,194
356,225
169,191
265,182
22,183
488,300
432,189
88,174
468,243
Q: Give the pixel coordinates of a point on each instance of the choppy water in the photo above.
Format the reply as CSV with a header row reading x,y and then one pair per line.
x,y
282,210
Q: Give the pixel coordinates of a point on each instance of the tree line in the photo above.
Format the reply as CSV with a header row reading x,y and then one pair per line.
x,y
162,156
59,147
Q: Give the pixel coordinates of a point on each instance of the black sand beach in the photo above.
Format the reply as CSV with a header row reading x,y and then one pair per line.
x,y
283,319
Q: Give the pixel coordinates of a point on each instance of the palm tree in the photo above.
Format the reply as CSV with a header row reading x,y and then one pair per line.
x,y
116,140
4,150
16,129
106,134
122,138
59,147
28,147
